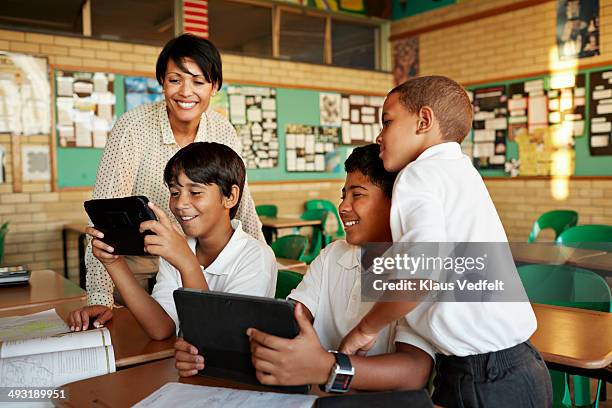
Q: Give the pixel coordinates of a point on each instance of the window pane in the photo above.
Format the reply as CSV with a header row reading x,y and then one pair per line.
x,y
143,21
241,28
353,45
62,16
302,38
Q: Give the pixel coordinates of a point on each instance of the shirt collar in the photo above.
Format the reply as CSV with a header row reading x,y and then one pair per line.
x,y
446,150
350,259
166,130
222,264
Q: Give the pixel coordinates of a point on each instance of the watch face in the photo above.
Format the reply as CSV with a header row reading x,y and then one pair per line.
x,y
341,382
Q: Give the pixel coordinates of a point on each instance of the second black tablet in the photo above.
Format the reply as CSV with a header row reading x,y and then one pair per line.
x,y
216,324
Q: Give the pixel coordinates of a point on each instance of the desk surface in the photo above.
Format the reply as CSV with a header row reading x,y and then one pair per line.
x,y
285,263
548,253
46,288
286,222
130,342
573,337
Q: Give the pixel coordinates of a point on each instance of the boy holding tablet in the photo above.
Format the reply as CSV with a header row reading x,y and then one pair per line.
x,y
205,182
331,294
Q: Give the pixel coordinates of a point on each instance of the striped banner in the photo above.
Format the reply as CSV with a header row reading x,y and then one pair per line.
x,y
195,17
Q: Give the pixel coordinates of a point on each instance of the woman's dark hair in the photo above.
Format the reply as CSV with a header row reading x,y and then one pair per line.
x,y
208,163
366,160
201,51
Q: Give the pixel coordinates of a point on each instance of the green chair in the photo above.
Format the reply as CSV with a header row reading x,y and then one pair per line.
x,y
290,246
329,206
286,281
558,220
317,240
563,285
598,237
266,210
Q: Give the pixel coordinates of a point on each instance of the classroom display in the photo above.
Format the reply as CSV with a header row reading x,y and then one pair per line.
x,y
490,125
141,90
85,106
600,109
361,117
311,148
25,94
329,105
252,111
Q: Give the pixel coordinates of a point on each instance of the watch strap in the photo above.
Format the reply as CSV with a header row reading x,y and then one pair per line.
x,y
343,361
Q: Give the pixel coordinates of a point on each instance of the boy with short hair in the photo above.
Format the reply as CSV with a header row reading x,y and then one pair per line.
x,y
484,357
205,182
330,293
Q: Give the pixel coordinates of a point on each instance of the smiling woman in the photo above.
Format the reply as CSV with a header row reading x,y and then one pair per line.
x,y
145,138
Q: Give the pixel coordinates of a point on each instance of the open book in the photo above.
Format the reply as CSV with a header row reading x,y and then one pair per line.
x,y
53,360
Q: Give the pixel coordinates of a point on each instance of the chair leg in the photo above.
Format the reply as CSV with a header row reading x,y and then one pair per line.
x,y
582,391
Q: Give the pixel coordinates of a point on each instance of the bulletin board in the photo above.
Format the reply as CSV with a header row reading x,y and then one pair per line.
x,y
538,105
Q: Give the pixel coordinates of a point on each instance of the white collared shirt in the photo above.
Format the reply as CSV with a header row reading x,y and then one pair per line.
x,y
440,197
245,266
331,290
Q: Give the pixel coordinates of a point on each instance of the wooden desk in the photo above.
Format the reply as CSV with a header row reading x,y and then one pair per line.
x,y
548,253
82,243
284,263
130,342
577,340
271,225
46,288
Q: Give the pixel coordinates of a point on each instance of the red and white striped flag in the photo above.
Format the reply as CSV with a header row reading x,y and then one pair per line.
x,y
195,17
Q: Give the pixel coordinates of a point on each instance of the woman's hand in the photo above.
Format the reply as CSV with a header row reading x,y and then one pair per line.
x,y
79,319
188,361
168,242
102,251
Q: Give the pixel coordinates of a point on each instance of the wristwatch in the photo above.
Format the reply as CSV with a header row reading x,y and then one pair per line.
x,y
341,374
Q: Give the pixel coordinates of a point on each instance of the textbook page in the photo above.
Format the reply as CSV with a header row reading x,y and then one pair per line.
x,y
46,323
196,396
59,342
55,369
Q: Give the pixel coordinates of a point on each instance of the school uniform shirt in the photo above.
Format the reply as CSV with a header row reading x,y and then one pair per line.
x,y
440,197
331,290
136,153
245,266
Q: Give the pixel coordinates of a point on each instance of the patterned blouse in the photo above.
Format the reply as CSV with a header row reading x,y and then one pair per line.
x,y
138,148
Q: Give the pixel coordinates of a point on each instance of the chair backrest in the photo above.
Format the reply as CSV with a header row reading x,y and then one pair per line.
x,y
329,206
290,246
286,281
266,210
564,285
593,236
316,242
558,220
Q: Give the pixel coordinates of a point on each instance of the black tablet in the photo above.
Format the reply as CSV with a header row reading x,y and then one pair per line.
x,y
216,324
119,220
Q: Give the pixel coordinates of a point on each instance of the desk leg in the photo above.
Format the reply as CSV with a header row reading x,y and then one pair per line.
x,y
82,268
269,234
64,247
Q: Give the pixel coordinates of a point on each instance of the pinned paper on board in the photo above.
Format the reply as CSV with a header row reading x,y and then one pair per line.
x,y
312,148
36,163
330,109
138,90
86,115
600,106
361,118
252,111
490,127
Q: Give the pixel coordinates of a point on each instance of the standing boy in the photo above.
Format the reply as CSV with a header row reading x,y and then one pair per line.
x,y
484,357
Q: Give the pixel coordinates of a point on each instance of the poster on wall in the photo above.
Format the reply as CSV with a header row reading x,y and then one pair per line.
x,y
252,111
490,126
312,148
329,109
85,106
36,163
405,59
577,28
25,94
600,107
361,116
141,90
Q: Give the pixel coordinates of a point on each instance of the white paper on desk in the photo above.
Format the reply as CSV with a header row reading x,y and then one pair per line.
x,y
57,342
181,395
47,323
55,369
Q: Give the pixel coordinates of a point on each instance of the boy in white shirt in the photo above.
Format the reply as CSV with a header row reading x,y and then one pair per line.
x,y
484,357
331,294
205,182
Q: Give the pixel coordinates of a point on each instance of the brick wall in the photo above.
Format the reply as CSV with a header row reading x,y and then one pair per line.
x,y
515,43
38,214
